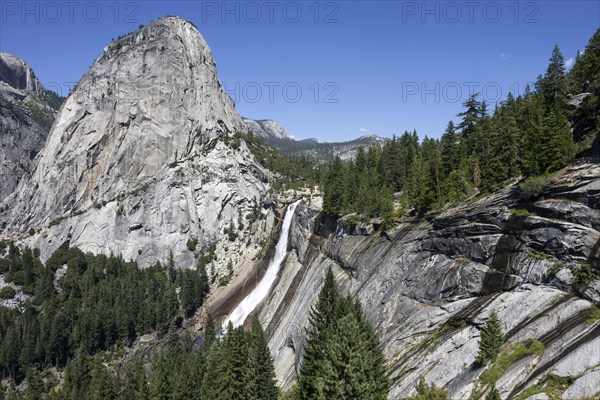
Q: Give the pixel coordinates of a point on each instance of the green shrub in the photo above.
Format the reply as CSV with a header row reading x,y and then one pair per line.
x,y
429,392
207,258
539,255
191,244
224,280
534,186
553,385
17,277
7,292
521,212
556,267
40,114
584,273
55,222
354,220
493,394
595,316
509,356
4,265
230,232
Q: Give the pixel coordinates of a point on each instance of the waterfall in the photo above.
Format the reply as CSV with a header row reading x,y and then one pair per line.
x,y
246,306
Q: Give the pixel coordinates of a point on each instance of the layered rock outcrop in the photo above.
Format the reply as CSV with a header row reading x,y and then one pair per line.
x,y
137,162
428,287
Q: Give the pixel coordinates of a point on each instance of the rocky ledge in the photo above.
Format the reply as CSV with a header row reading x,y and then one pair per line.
x,y
428,287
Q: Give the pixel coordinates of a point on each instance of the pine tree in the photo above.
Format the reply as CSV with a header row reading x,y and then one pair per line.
x,y
513,142
419,193
470,136
384,206
585,74
78,377
160,387
364,194
210,332
533,122
392,165
185,381
450,149
214,383
553,84
101,385
227,367
198,369
334,193
35,386
236,359
321,319
491,340
343,358
558,147
261,373
135,385
324,311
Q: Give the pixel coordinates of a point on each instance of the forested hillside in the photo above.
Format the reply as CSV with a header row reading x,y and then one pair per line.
x,y
323,151
292,172
532,136
93,304
77,336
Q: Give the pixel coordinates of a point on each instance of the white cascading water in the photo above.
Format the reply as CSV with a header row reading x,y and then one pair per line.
x,y
241,312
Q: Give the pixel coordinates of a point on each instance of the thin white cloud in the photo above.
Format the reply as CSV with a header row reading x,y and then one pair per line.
x,y
363,129
569,63
506,56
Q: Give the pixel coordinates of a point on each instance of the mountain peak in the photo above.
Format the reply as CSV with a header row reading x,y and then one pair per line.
x,y
266,128
149,111
18,74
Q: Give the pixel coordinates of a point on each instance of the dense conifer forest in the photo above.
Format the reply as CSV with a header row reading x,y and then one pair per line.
x,y
531,136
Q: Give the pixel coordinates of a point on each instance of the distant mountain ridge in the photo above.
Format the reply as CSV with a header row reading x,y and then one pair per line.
x,y
326,151
275,135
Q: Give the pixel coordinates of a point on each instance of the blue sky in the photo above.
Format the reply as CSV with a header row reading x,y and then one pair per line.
x,y
334,70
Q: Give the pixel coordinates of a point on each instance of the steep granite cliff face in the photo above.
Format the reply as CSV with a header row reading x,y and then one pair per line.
x,y
25,118
428,287
18,74
137,161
